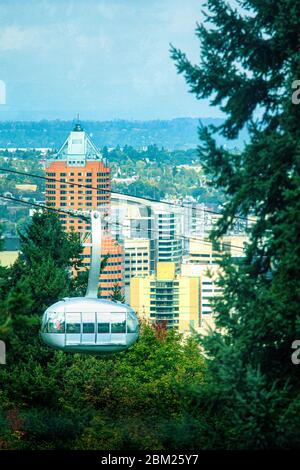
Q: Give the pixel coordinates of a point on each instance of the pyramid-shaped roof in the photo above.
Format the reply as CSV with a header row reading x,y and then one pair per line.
x,y
78,148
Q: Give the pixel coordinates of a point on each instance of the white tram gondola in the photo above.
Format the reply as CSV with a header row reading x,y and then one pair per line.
x,y
88,324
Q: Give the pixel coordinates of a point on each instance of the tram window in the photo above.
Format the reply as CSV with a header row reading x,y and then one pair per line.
x,y
132,325
44,327
103,327
56,326
119,327
73,328
88,328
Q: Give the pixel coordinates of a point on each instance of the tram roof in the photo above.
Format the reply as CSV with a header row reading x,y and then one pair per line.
x,y
79,304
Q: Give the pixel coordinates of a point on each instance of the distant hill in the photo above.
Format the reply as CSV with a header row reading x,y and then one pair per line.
x,y
180,133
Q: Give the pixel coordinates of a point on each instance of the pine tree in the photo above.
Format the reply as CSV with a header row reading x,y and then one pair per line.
x,y
117,295
5,320
41,275
250,55
44,238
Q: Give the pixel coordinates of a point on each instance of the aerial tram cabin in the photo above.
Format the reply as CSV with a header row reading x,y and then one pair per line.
x,y
88,324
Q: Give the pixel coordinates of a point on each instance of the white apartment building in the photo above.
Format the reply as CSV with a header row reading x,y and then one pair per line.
x,y
208,275
137,261
168,230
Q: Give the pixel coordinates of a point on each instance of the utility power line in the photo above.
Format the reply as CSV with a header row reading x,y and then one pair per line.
x,y
183,237
50,179
86,218
42,206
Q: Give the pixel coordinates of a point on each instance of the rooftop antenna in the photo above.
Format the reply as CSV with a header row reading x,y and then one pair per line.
x,y
77,125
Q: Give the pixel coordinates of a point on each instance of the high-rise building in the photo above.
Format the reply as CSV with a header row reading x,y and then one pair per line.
x,y
194,219
137,261
138,218
132,218
206,252
168,234
167,297
234,244
204,262
208,275
79,161
203,252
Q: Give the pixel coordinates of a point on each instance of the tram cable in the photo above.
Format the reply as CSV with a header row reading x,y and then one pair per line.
x,y
158,201
77,213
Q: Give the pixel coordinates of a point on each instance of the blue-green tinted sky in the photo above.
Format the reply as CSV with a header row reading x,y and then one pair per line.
x,y
104,59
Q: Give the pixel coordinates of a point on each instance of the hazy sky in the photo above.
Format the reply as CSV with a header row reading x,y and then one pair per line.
x,y
104,59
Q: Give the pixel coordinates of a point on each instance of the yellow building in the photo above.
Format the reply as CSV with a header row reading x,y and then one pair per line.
x,y
7,258
203,252
167,297
234,244
206,252
26,187
208,275
203,262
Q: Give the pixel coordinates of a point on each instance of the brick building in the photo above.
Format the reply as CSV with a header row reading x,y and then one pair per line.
x,y
79,161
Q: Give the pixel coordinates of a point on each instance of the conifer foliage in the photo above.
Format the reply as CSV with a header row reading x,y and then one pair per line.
x,y
249,58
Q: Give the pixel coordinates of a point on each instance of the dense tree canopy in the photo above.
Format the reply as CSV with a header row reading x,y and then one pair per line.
x,y
48,399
